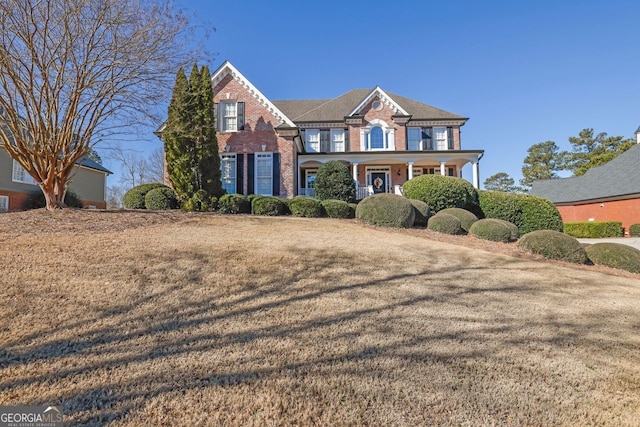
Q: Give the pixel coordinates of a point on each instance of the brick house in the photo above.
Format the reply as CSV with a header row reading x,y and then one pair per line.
x,y
18,188
275,147
610,192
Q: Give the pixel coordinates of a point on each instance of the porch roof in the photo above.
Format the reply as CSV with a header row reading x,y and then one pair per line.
x,y
460,157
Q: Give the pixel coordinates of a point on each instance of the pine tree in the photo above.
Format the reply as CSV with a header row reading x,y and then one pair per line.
x,y
542,162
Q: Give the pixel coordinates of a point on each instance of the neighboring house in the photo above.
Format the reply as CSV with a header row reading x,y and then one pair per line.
x,y
275,147
17,188
610,192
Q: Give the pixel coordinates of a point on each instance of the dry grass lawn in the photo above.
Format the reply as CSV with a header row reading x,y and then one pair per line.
x,y
133,319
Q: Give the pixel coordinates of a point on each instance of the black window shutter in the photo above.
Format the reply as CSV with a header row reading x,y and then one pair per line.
x,y
276,174
239,173
250,173
427,135
347,145
215,115
450,137
240,115
325,141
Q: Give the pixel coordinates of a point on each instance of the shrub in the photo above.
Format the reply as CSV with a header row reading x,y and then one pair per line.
x,y
386,210
71,199
513,229
466,218
421,210
338,208
615,255
634,230
445,223
201,201
593,229
270,206
441,192
134,198
553,245
234,204
334,181
491,229
161,198
307,207
529,213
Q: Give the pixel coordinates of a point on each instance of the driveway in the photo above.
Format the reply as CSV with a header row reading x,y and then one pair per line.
x,y
631,241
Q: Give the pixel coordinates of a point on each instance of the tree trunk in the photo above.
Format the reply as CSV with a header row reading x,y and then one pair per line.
x,y
53,196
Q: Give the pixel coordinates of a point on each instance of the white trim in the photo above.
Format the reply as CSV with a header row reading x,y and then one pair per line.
x,y
4,203
386,99
228,69
387,172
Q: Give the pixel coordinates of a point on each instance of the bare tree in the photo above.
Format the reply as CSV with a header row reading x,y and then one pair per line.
x,y
115,196
75,72
155,162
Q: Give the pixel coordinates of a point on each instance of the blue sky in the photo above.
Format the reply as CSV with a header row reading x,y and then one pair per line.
x,y
522,71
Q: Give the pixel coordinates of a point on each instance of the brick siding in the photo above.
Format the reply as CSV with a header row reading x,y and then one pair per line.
x,y
625,211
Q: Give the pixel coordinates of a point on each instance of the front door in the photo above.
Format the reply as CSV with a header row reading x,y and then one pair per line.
x,y
379,182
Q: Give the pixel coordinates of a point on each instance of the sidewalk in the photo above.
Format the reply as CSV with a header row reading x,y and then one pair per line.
x,y
631,241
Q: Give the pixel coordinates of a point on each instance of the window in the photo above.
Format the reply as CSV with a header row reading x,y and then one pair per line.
x,y
440,136
4,203
377,136
337,140
311,177
20,175
229,116
228,172
419,139
264,174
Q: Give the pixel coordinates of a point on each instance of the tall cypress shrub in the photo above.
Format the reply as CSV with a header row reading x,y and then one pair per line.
x,y
209,158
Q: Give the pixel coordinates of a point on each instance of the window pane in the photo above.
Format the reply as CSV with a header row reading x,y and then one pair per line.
x,y
337,140
228,172
264,174
376,138
313,140
413,136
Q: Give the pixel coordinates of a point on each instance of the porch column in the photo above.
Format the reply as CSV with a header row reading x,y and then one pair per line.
x,y
355,173
476,175
410,165
443,170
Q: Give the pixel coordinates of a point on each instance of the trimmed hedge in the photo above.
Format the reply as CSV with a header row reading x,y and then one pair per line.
x,y
553,245
634,230
234,204
441,192
466,218
134,198
593,229
307,207
269,206
615,255
529,213
386,210
334,181
491,229
513,229
338,209
445,223
421,209
161,198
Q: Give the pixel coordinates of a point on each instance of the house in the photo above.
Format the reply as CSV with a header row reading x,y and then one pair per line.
x,y
275,148
17,188
610,192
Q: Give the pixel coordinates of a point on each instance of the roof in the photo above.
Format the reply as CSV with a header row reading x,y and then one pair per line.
x,y
617,178
88,163
322,110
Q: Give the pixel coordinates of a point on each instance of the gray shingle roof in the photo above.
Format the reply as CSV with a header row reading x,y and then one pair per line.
x,y
336,109
88,163
617,178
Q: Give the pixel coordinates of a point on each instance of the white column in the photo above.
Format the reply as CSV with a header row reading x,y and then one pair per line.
x,y
443,170
476,175
410,165
355,173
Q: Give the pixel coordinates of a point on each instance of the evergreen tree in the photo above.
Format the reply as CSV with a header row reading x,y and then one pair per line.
x,y
589,150
542,162
209,158
501,182
334,181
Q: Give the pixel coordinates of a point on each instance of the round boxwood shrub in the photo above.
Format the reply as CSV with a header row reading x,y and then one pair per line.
x,y
421,210
134,198
491,229
334,181
337,208
615,255
634,230
529,213
553,245
386,210
445,223
161,198
513,229
307,207
441,192
234,204
270,206
466,218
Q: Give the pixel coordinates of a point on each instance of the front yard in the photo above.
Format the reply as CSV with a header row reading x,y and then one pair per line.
x,y
144,318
